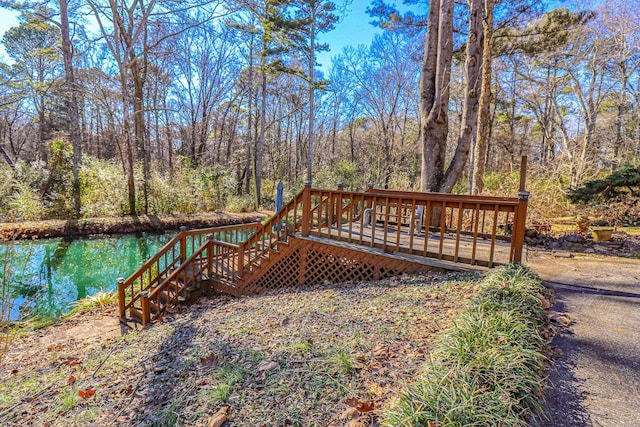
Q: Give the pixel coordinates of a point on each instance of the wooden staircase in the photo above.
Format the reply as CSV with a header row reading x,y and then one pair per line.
x,y
321,236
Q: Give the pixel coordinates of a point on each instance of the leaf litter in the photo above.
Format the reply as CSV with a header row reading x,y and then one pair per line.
x,y
314,356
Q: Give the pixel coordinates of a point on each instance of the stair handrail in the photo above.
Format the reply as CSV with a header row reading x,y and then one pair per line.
x,y
147,268
181,270
249,250
178,247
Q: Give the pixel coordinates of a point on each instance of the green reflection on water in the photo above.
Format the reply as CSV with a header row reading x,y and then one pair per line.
x,y
47,275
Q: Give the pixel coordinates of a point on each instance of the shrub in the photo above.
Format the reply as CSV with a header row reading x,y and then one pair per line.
x,y
548,195
242,203
613,199
103,188
488,366
25,204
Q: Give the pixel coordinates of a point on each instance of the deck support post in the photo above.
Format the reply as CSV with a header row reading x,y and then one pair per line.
x,y
523,173
210,255
520,221
240,260
306,208
146,311
121,302
183,243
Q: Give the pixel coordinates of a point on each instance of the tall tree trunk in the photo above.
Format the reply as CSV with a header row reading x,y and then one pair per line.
x,y
138,78
312,61
263,124
71,103
42,130
434,92
475,43
482,138
618,145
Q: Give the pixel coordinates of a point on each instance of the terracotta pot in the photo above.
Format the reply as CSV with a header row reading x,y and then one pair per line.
x,y
602,234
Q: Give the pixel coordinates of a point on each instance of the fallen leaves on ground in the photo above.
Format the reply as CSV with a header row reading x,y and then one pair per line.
x,y
266,365
220,417
318,355
361,406
85,394
560,318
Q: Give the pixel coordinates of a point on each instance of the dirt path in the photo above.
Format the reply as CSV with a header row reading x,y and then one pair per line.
x,y
596,380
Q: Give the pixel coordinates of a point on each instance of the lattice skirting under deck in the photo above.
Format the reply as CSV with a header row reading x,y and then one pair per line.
x,y
311,263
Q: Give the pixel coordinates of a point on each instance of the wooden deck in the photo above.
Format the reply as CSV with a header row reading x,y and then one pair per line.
x,y
330,236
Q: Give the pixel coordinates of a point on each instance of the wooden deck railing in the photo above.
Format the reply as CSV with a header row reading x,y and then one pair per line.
x,y
171,256
458,228
270,235
453,227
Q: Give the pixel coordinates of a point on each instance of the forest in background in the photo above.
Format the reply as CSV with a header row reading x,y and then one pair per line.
x,y
113,107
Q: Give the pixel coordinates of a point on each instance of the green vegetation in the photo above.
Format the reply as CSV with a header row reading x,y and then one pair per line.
x,y
35,191
621,182
488,366
98,300
613,199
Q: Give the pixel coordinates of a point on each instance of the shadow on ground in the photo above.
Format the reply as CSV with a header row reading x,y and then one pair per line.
x,y
563,401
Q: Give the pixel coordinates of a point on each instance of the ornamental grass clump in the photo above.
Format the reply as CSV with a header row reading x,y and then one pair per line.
x,y
486,369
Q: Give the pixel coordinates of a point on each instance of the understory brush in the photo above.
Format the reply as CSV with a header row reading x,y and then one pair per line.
x,y
487,368
548,193
36,191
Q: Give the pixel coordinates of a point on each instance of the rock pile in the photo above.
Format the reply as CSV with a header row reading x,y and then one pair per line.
x,y
622,244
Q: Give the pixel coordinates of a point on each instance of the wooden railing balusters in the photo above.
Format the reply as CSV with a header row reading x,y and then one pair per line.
x,y
443,219
352,209
458,231
412,226
475,232
386,224
427,218
398,225
493,234
364,208
374,220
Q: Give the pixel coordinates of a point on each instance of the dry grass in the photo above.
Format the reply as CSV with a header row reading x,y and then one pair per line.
x,y
289,359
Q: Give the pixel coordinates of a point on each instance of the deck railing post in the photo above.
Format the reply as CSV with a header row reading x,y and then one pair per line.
x,y
209,255
183,243
306,208
121,302
240,260
519,226
336,205
146,312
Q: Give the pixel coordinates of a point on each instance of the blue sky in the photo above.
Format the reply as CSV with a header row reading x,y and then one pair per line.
x,y
353,29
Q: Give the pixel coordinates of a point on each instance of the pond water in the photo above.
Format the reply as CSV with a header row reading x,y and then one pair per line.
x,y
47,275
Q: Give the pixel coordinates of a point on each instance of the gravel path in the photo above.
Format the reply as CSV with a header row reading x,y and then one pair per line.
x,y
596,378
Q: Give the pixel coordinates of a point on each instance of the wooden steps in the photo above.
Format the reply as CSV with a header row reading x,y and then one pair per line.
x,y
320,237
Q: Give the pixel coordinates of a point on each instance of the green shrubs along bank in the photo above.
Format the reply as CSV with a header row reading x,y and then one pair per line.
x,y
487,368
